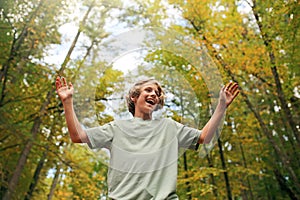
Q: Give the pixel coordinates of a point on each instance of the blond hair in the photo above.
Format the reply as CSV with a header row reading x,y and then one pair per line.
x,y
135,92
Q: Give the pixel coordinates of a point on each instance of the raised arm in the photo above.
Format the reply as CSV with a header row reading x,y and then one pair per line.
x,y
227,94
65,92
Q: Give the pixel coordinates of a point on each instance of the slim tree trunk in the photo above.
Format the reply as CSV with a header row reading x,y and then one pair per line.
x,y
36,175
23,158
188,186
15,47
187,183
213,182
68,56
228,189
54,183
245,165
39,168
283,184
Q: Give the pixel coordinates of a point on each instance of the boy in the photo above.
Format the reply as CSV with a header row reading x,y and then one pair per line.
x,y
144,152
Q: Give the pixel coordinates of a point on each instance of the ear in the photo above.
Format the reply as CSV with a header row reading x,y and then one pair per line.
x,y
133,99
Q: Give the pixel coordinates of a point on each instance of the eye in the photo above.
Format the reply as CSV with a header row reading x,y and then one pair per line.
x,y
148,89
157,93
153,89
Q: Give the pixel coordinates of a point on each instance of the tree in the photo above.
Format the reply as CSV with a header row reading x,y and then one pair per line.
x,y
45,102
242,53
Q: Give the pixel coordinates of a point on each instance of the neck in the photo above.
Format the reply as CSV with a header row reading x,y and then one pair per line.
x,y
143,116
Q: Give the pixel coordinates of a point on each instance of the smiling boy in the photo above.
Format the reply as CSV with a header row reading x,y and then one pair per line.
x,y
144,151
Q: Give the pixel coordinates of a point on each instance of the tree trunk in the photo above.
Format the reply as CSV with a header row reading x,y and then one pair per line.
x,y
68,56
54,183
245,165
283,184
213,182
187,183
228,189
188,187
36,175
15,47
13,182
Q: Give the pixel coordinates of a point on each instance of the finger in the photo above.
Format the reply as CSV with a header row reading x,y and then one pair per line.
x,y
64,81
236,93
70,85
234,88
231,86
58,83
228,86
223,88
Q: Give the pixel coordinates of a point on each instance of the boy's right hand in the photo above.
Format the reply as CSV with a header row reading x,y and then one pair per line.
x,y
64,91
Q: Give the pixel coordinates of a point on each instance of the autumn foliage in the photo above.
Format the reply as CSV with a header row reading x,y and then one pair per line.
x,y
254,43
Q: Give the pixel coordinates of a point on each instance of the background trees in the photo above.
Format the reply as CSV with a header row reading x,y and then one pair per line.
x,y
255,43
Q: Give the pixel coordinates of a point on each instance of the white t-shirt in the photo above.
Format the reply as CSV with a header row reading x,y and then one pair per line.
x,y
144,154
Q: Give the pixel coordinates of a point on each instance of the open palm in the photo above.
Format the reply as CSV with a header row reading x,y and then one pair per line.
x,y
228,93
64,90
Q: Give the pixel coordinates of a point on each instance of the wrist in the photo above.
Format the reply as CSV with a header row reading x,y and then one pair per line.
x,y
67,102
222,105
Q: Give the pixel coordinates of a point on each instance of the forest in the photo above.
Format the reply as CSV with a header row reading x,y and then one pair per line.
x,y
192,47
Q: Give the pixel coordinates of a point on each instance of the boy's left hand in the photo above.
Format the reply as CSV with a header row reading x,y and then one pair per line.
x,y
228,93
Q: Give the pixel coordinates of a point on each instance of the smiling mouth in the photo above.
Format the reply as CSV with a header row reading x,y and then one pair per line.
x,y
152,102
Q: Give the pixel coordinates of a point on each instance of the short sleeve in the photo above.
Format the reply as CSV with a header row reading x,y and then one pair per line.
x,y
188,137
100,137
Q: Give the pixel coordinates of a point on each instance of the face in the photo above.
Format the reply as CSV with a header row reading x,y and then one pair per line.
x,y
147,101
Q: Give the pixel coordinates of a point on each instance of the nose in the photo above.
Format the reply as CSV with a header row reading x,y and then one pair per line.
x,y
153,93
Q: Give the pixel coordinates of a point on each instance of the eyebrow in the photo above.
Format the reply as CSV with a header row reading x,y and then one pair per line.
x,y
153,88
